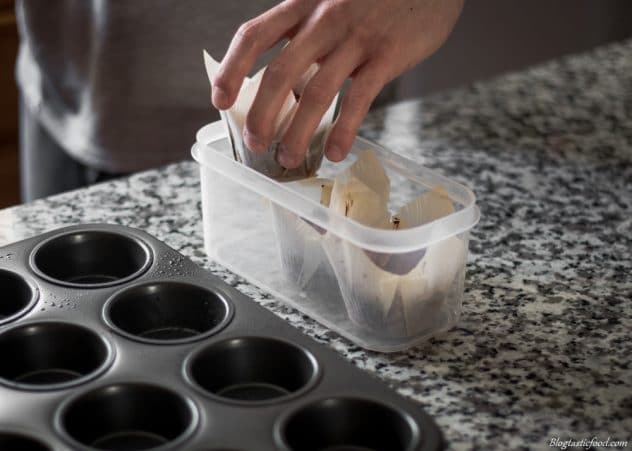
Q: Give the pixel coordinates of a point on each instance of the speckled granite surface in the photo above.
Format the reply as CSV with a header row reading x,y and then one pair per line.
x,y
544,344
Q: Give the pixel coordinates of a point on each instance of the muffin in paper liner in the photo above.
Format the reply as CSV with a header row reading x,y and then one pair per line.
x,y
399,305
300,248
394,295
300,241
266,162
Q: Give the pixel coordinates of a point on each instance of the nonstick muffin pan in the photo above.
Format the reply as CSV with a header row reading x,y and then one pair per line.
x,y
111,340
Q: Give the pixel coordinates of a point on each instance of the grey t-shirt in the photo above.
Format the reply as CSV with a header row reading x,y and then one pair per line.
x,y
121,84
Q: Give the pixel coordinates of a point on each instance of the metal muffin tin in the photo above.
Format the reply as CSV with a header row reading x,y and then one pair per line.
x,y
109,339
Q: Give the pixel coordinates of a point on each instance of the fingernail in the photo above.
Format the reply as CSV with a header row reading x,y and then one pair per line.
x,y
334,153
253,142
285,157
220,96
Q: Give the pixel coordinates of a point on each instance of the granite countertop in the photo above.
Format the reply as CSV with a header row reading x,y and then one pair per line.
x,y
543,346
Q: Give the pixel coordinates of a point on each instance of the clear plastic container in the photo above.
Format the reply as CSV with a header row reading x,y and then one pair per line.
x,y
385,290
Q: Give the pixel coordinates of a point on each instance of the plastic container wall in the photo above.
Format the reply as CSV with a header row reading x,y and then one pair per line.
x,y
385,290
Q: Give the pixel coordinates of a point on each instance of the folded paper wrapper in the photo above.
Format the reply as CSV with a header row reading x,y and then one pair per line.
x,y
234,120
394,294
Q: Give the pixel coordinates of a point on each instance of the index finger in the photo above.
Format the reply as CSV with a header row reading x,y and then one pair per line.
x,y
253,38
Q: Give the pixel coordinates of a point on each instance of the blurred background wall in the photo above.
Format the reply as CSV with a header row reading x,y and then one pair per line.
x,y
496,36
492,37
8,107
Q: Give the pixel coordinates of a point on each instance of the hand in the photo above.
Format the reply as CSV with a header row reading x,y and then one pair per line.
x,y
369,41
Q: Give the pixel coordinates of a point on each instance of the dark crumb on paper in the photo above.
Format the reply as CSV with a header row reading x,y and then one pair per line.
x,y
348,206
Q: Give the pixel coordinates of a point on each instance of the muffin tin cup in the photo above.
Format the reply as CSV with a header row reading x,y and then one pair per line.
x,y
127,416
167,312
19,441
255,370
170,357
19,295
52,355
347,423
91,259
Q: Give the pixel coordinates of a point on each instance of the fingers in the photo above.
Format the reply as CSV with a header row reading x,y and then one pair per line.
x,y
252,39
316,39
365,87
314,103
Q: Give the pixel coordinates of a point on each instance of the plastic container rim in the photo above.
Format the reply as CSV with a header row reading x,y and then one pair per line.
x,y
369,238
148,263
110,356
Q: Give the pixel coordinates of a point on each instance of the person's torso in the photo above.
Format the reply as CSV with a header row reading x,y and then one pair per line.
x,y
126,76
